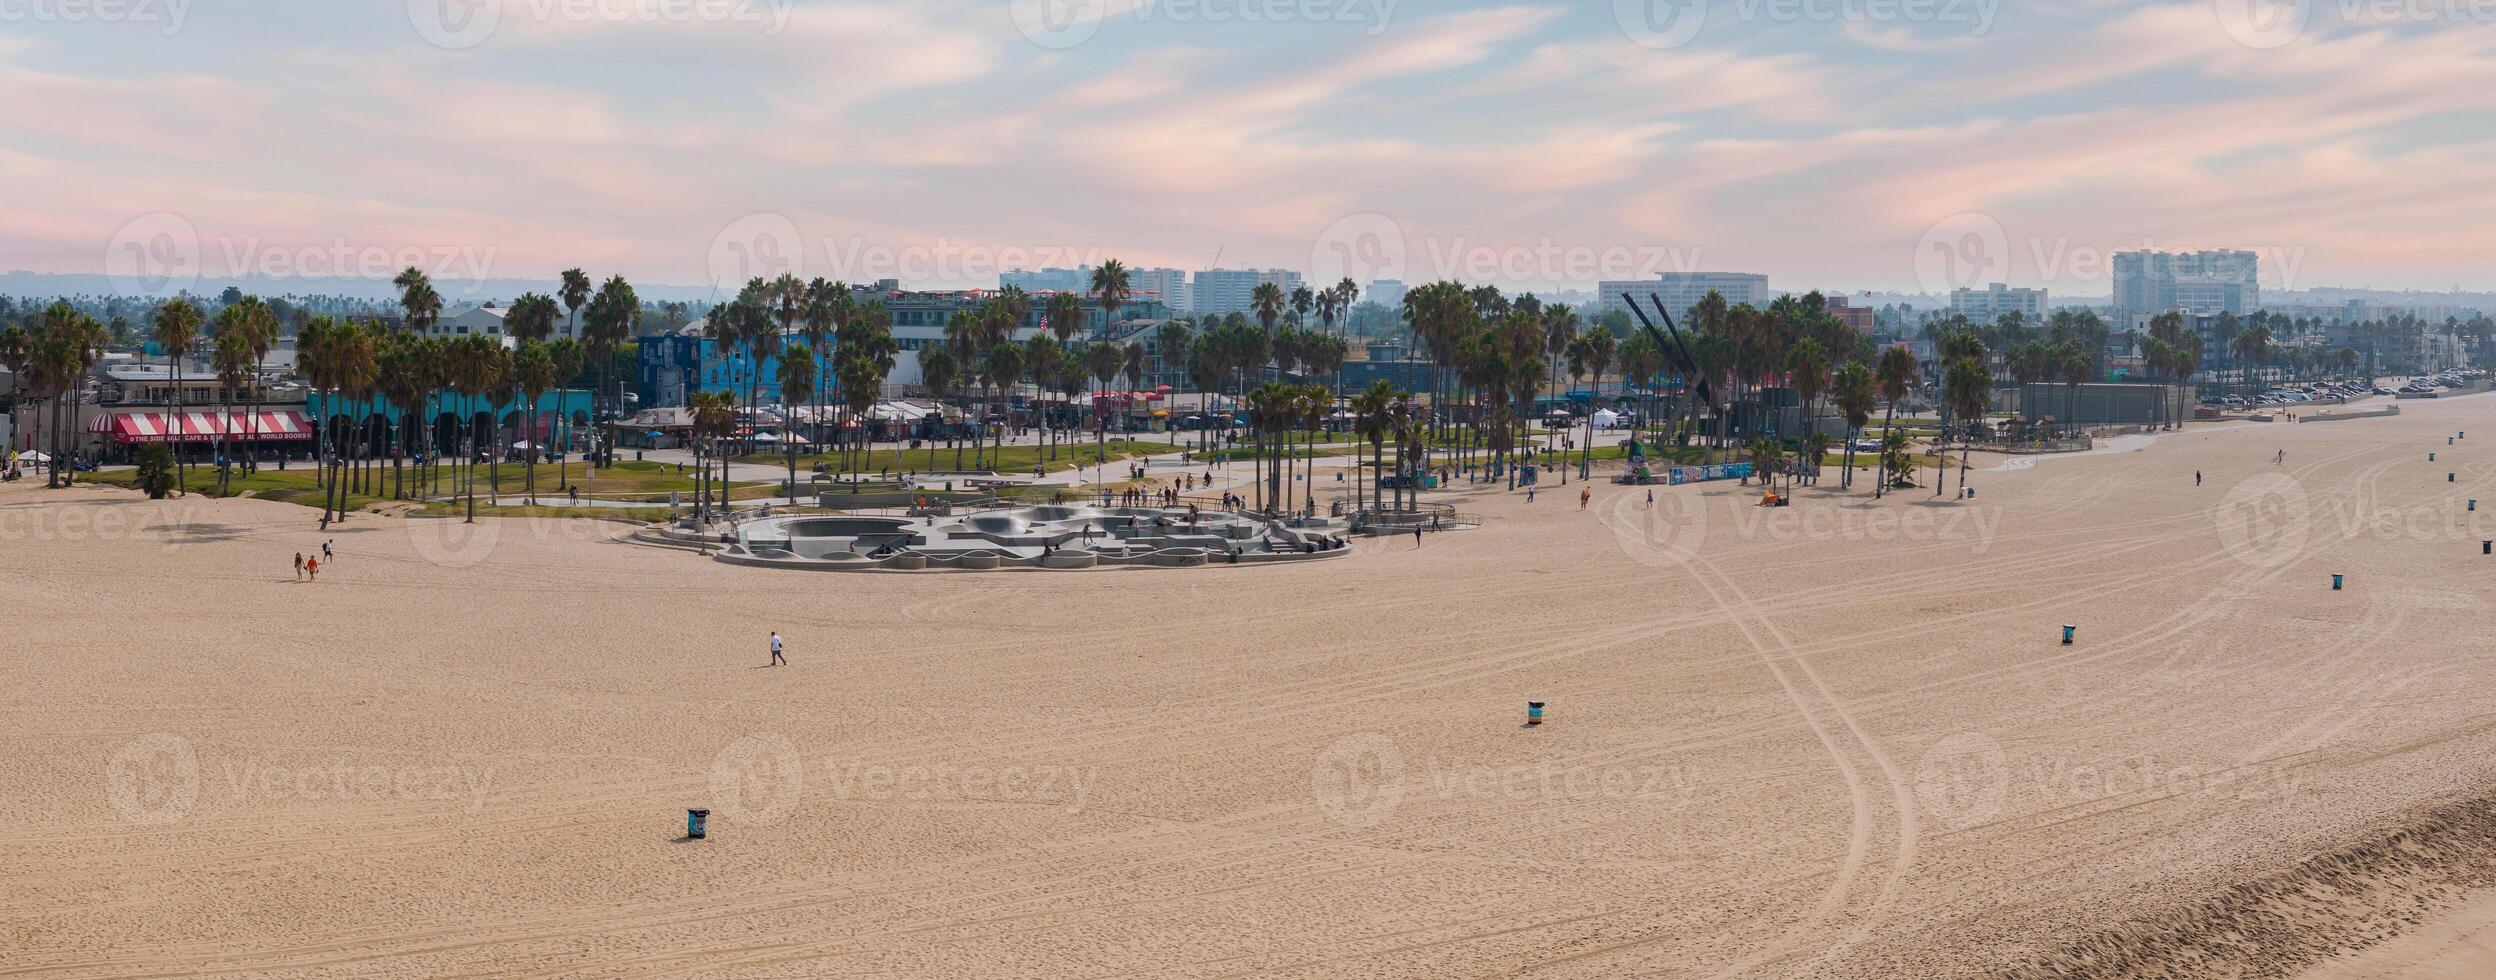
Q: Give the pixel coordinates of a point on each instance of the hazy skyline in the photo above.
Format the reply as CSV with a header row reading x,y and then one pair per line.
x,y
1831,145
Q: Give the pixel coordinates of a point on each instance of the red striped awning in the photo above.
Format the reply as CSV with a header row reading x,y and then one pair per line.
x,y
145,427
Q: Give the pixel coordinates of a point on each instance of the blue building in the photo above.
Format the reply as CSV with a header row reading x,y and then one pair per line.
x,y
674,366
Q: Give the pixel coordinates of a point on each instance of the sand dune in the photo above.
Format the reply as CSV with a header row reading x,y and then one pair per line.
x,y
1838,739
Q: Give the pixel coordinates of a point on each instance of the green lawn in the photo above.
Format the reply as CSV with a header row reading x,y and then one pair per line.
x,y
1005,459
297,485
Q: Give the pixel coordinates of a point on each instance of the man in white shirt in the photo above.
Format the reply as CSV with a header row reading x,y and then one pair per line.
x,y
776,659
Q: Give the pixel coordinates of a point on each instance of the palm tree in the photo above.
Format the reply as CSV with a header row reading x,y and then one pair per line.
x,y
533,373
939,370
17,349
1559,333
828,306
714,420
315,347
1893,377
258,327
232,360
72,344
612,315
1131,364
177,326
570,358
1807,370
1374,416
1111,285
1852,390
1600,348
353,367
1271,411
529,322
418,299
1102,360
497,391
2075,367
1268,302
1064,315
470,372
1043,358
574,292
1002,366
797,385
1967,387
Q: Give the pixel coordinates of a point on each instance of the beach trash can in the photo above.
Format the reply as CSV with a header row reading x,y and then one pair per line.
x,y
2068,629
697,824
2487,547
1533,712
2430,457
2335,581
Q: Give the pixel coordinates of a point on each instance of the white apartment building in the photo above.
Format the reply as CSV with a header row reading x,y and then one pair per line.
x,y
1170,286
487,320
1681,291
1224,291
1988,304
2148,282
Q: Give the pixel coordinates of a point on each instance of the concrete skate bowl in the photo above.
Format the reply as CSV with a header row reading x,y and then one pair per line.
x,y
829,538
1039,538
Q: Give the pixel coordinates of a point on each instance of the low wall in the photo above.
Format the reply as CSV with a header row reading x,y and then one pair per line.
x,y
846,501
2371,413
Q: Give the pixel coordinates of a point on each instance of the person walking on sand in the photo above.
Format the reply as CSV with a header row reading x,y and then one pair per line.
x,y
312,568
1416,535
2196,477
298,566
1584,495
776,659
1650,496
325,555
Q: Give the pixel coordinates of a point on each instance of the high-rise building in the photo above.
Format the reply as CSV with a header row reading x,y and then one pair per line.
x,y
1075,280
1682,290
1988,304
2204,282
1169,287
1225,291
1385,292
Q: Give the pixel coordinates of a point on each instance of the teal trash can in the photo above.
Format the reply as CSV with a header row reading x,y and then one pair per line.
x,y
2335,581
2068,629
697,824
1533,712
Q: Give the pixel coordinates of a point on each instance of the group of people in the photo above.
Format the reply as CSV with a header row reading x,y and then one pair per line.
x,y
309,569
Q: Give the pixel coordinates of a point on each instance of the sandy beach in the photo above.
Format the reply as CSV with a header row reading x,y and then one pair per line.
x,y
1838,739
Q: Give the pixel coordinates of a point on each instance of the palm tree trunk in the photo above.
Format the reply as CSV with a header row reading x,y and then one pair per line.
x,y
468,460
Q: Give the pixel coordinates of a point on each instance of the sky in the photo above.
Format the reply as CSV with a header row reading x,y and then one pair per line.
x,y
1893,145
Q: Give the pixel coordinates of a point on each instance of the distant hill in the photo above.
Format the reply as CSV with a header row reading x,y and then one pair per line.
x,y
463,292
